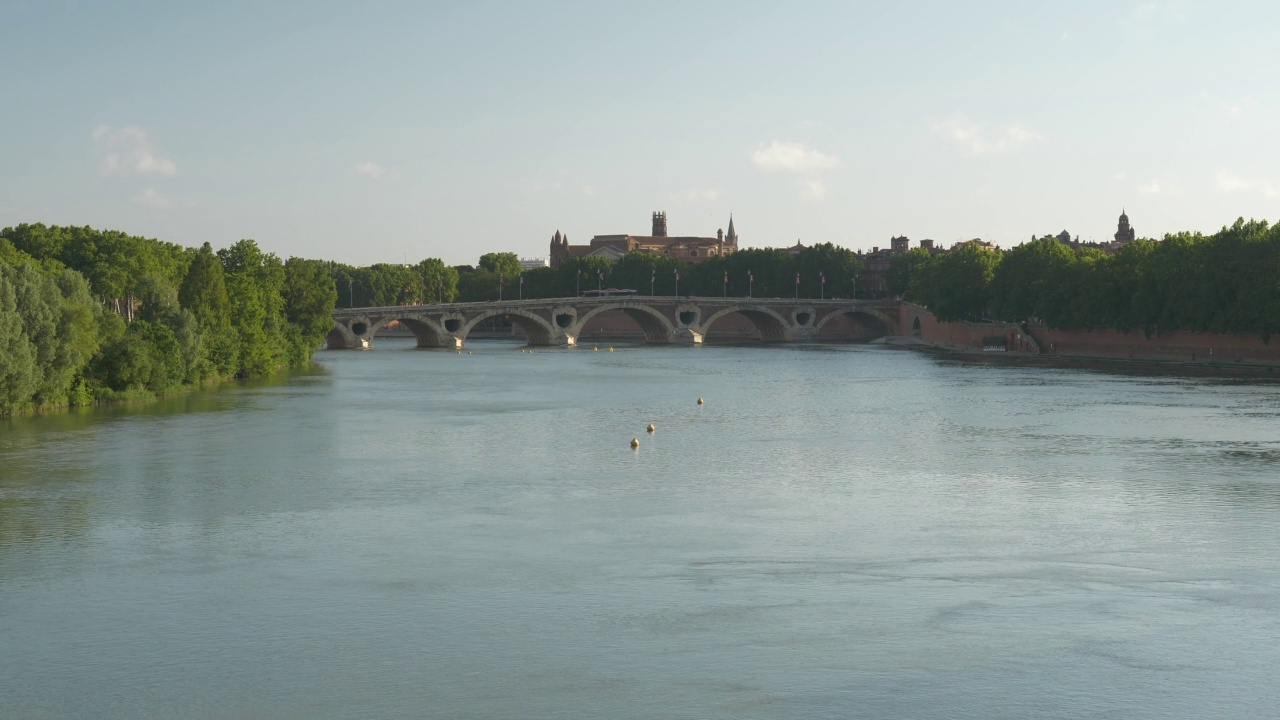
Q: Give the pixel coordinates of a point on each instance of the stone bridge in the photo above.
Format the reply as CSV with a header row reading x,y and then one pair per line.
x,y
663,319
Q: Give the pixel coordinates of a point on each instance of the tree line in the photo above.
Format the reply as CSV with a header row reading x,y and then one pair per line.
x,y
1226,282
95,316
823,270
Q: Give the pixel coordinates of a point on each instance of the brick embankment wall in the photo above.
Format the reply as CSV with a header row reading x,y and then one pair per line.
x,y
1165,347
962,336
1102,343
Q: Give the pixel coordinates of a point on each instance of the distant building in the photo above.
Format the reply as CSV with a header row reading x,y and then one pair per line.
x,y
1125,234
689,248
531,263
873,281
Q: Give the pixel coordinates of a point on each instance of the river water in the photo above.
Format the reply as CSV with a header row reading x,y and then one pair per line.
x,y
840,531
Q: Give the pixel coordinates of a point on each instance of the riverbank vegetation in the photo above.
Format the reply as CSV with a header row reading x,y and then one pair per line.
x,y
90,316
1226,282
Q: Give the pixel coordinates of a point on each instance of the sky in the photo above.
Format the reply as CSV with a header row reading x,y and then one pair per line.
x,y
394,131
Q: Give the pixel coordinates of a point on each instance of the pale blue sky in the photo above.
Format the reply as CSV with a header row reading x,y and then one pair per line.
x,y
380,131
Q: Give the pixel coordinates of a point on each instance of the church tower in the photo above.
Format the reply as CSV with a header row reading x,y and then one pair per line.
x,y
559,249
732,237
659,224
1124,233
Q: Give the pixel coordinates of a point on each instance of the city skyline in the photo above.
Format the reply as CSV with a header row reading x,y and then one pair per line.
x,y
404,132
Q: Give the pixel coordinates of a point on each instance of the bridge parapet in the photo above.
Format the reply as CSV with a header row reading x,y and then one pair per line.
x,y
561,321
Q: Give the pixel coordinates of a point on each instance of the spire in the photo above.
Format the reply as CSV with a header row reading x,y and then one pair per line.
x,y
733,234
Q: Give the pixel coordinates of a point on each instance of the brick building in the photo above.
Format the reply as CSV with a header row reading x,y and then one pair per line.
x,y
689,248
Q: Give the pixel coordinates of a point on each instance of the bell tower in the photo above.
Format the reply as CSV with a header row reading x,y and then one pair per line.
x,y
659,224
1124,233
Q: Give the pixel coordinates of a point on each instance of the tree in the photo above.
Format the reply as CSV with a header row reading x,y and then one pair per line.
x,y
1035,279
506,264
905,268
310,297
19,375
959,282
838,266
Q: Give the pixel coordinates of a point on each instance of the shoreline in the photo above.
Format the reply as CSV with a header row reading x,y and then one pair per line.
x,y
1129,365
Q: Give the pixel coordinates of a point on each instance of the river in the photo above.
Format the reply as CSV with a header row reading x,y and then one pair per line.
x,y
839,532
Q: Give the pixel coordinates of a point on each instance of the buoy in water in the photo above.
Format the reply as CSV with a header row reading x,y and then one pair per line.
x,y
700,401
635,443
610,349
595,349
651,428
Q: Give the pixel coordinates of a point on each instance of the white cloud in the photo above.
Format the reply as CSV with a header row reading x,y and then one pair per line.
x,y
791,157
1150,188
152,198
1151,13
976,139
128,151
375,171
1229,183
699,195
814,188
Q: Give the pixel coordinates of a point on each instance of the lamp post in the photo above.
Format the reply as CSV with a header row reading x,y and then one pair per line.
x,y
577,283
521,287
822,286
797,286
499,287
351,294
440,291
599,280
653,275
751,282
677,292
726,283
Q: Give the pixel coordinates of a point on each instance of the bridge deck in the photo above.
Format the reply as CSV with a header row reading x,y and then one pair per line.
x,y
712,301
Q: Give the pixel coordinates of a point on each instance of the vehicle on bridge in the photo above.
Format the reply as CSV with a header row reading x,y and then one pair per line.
x,y
607,292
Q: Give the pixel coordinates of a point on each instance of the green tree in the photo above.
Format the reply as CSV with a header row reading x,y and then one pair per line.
x,y
906,267
506,264
310,297
19,374
959,282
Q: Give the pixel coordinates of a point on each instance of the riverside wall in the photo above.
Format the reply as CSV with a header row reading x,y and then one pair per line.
x,y
918,323
1185,347
1107,344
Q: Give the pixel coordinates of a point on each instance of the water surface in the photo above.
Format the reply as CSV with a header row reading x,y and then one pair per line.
x,y
842,531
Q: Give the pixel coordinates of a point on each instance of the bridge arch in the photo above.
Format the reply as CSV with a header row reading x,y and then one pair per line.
x,y
427,333
772,326
884,324
657,327
536,329
341,338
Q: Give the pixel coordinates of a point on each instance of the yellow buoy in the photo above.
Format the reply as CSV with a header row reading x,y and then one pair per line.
x,y
595,349
610,349
651,428
700,401
635,443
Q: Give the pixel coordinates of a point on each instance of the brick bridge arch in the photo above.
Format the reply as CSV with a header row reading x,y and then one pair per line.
x,y
537,329
773,327
657,327
888,324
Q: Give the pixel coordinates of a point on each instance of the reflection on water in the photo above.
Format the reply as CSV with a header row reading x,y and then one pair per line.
x,y
840,531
